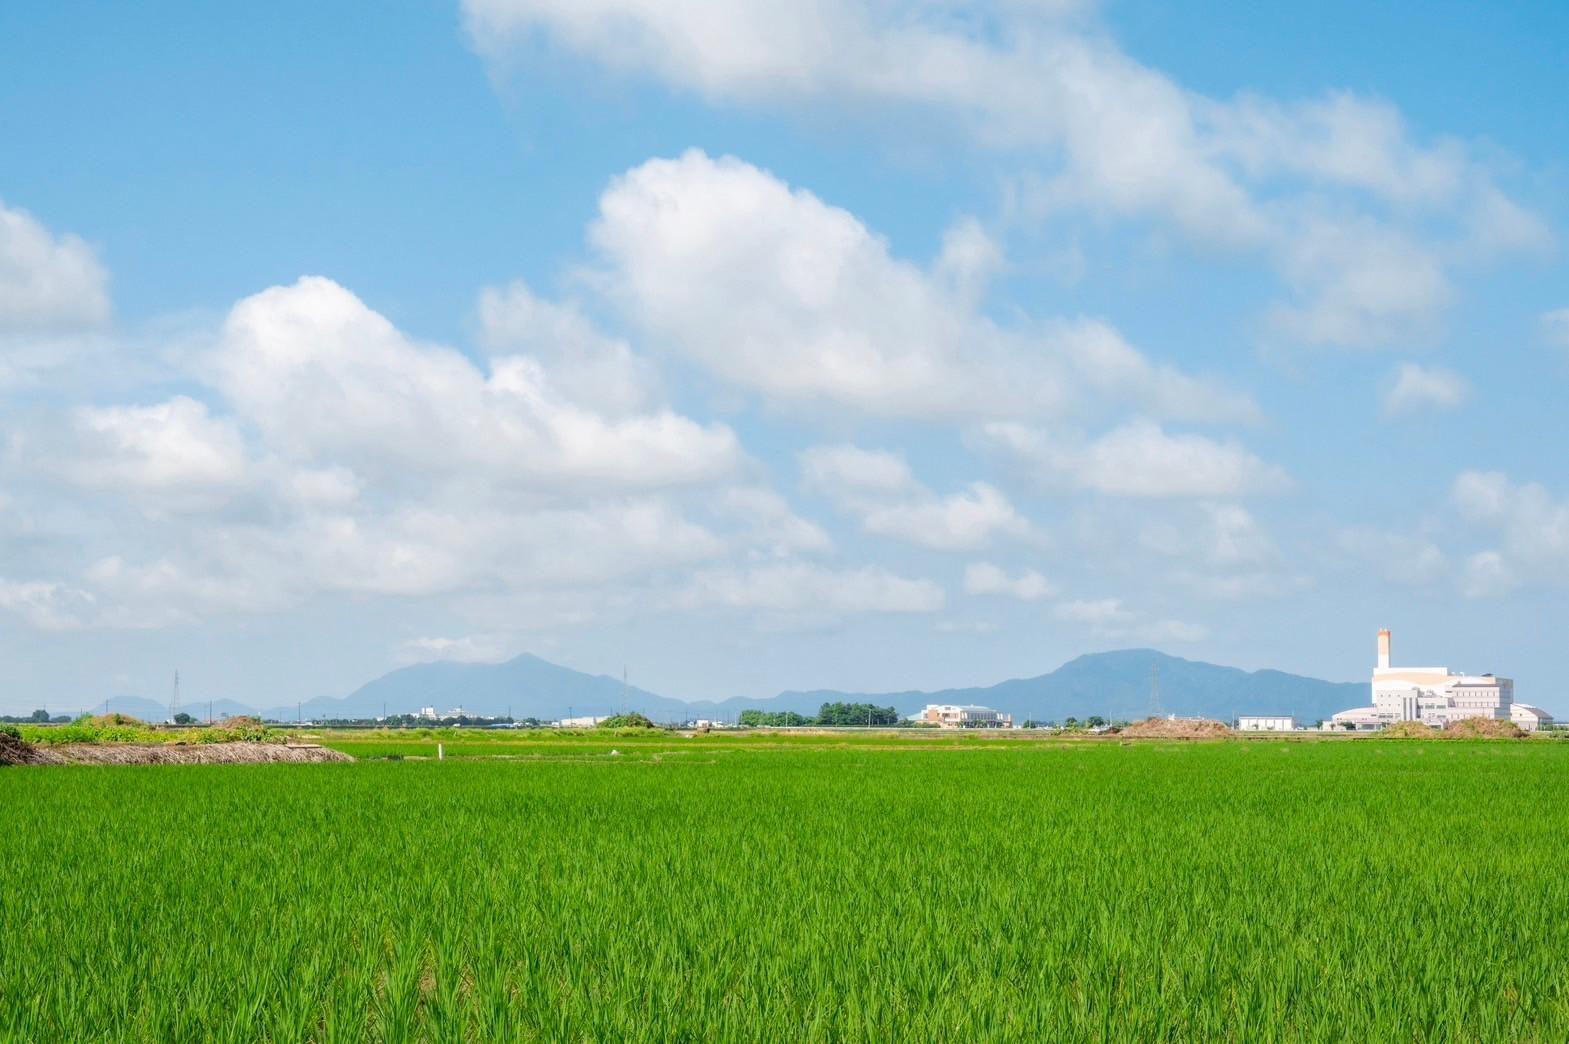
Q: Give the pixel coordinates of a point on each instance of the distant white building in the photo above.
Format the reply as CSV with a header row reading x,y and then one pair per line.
x,y
1266,723
579,723
1435,696
428,713
1529,718
959,716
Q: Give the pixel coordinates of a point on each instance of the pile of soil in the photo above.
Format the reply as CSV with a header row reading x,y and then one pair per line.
x,y
116,720
194,754
14,751
241,721
1483,728
1166,728
1409,730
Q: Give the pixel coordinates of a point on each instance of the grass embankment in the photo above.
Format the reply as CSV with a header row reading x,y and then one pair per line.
x,y
120,728
524,743
971,891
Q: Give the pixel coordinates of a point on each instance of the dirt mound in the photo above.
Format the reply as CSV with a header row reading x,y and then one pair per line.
x,y
15,751
1483,728
114,720
1409,730
194,754
241,721
1181,728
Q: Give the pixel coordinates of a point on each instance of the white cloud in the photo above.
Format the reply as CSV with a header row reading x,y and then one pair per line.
x,y
338,456
470,648
1214,550
1417,388
46,605
796,587
1137,459
879,488
1488,574
1109,618
766,524
48,284
1100,614
167,449
1359,283
1408,559
985,578
586,365
961,521
1362,219
1530,526
322,377
777,292
1235,537
964,627
849,471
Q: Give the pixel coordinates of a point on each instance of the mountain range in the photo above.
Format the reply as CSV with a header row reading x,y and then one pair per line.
x,y
1128,684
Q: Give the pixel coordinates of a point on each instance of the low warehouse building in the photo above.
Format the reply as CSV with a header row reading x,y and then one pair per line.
x,y
1266,723
965,716
1530,718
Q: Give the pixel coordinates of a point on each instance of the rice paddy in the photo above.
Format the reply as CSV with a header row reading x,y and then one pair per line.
x,y
720,888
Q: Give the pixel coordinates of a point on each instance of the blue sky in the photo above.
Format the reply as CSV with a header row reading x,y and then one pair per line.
x,y
848,344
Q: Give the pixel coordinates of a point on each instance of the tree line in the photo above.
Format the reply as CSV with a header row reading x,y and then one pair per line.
x,y
827,715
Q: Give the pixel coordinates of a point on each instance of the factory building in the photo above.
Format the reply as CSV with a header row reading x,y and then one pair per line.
x,y
1434,696
1530,718
967,716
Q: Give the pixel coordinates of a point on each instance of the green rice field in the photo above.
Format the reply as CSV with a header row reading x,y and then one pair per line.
x,y
797,888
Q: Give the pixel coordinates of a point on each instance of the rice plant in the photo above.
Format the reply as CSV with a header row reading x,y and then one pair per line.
x,y
980,891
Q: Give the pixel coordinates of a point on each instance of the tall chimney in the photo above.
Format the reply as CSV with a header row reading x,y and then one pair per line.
x,y
1383,648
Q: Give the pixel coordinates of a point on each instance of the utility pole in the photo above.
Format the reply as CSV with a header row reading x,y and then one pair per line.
x,y
174,698
1154,690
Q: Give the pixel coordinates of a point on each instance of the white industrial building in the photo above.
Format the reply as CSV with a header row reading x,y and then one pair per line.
x,y
1435,696
962,716
1530,718
582,722
1266,723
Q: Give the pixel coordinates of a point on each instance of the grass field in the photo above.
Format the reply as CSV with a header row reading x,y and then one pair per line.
x,y
712,889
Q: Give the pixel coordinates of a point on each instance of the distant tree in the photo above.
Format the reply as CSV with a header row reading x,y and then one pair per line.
x,y
183,718
1095,721
634,720
755,719
856,714
41,716
1071,723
